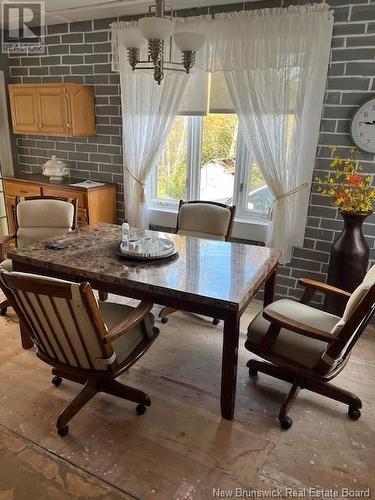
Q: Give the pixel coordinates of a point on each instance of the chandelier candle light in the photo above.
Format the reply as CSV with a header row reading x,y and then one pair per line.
x,y
156,30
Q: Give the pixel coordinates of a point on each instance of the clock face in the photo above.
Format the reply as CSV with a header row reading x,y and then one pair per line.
x,y
363,126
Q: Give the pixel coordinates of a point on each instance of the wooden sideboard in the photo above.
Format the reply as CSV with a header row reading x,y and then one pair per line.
x,y
95,204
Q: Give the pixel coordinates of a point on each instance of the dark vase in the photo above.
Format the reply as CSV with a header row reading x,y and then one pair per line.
x,y
348,260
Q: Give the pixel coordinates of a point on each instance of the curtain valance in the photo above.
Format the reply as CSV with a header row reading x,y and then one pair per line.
x,y
240,40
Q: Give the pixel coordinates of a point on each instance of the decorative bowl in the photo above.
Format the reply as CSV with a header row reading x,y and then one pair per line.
x,y
55,169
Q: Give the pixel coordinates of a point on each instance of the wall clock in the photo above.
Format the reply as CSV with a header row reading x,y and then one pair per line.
x,y
362,127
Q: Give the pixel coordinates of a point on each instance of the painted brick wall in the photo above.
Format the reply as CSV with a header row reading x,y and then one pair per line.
x,y
77,52
350,82
80,52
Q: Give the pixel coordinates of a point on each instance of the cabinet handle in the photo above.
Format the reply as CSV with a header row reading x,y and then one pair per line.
x,y
39,125
23,192
67,125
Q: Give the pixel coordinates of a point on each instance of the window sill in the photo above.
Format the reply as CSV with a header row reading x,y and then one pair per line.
x,y
245,229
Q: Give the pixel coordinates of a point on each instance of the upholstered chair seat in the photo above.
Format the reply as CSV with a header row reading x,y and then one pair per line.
x,y
113,314
83,341
6,265
308,347
39,218
290,345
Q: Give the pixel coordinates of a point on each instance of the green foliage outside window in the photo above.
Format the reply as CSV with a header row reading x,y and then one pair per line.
x,y
172,169
219,138
219,143
256,179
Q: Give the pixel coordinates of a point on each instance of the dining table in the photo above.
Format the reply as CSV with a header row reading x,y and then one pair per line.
x,y
217,279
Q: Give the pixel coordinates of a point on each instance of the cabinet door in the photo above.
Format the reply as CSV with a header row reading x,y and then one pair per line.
x,y
24,109
81,100
52,110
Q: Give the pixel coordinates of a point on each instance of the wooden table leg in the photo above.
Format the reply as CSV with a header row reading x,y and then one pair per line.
x,y
229,365
269,289
26,341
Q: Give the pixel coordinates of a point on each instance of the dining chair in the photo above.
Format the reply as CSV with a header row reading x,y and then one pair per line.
x,y
37,218
308,347
85,342
202,219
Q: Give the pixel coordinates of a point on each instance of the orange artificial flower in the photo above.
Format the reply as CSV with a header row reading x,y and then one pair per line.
x,y
354,179
340,196
350,191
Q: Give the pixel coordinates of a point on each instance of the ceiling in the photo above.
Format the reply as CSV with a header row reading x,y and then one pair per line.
x,y
82,10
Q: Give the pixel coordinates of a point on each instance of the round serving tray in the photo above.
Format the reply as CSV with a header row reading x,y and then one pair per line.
x,y
148,256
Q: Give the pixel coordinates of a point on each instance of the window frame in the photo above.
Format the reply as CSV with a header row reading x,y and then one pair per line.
x,y
194,147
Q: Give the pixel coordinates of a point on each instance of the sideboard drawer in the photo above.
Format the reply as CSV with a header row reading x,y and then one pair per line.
x,y
66,193
20,189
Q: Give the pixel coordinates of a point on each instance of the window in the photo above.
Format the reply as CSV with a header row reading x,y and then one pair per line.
x,y
171,175
258,195
218,157
205,158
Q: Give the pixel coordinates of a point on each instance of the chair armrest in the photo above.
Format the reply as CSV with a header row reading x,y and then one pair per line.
x,y
130,322
323,287
311,286
297,327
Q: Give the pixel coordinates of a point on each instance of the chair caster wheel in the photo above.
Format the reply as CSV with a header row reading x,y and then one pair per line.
x,y
286,423
253,372
56,381
164,319
3,311
63,431
215,321
354,413
141,409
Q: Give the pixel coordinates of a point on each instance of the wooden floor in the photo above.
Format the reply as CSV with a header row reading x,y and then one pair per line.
x,y
181,448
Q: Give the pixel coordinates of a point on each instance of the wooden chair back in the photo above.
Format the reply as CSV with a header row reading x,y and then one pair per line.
x,y
63,318
204,224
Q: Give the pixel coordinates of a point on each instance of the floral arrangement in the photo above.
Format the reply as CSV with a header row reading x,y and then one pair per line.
x,y
351,192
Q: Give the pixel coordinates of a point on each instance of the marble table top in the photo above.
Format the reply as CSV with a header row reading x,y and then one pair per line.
x,y
205,270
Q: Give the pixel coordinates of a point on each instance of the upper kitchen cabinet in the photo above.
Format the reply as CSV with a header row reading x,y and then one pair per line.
x,y
24,109
65,109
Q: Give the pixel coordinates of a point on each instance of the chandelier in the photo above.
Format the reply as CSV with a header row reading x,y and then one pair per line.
x,y
155,31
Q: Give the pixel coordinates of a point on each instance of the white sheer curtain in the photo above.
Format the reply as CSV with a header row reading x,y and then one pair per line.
x,y
275,64
277,91
148,111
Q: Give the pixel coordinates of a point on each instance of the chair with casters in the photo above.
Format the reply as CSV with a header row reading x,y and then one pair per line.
x,y
84,341
202,219
37,218
309,347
